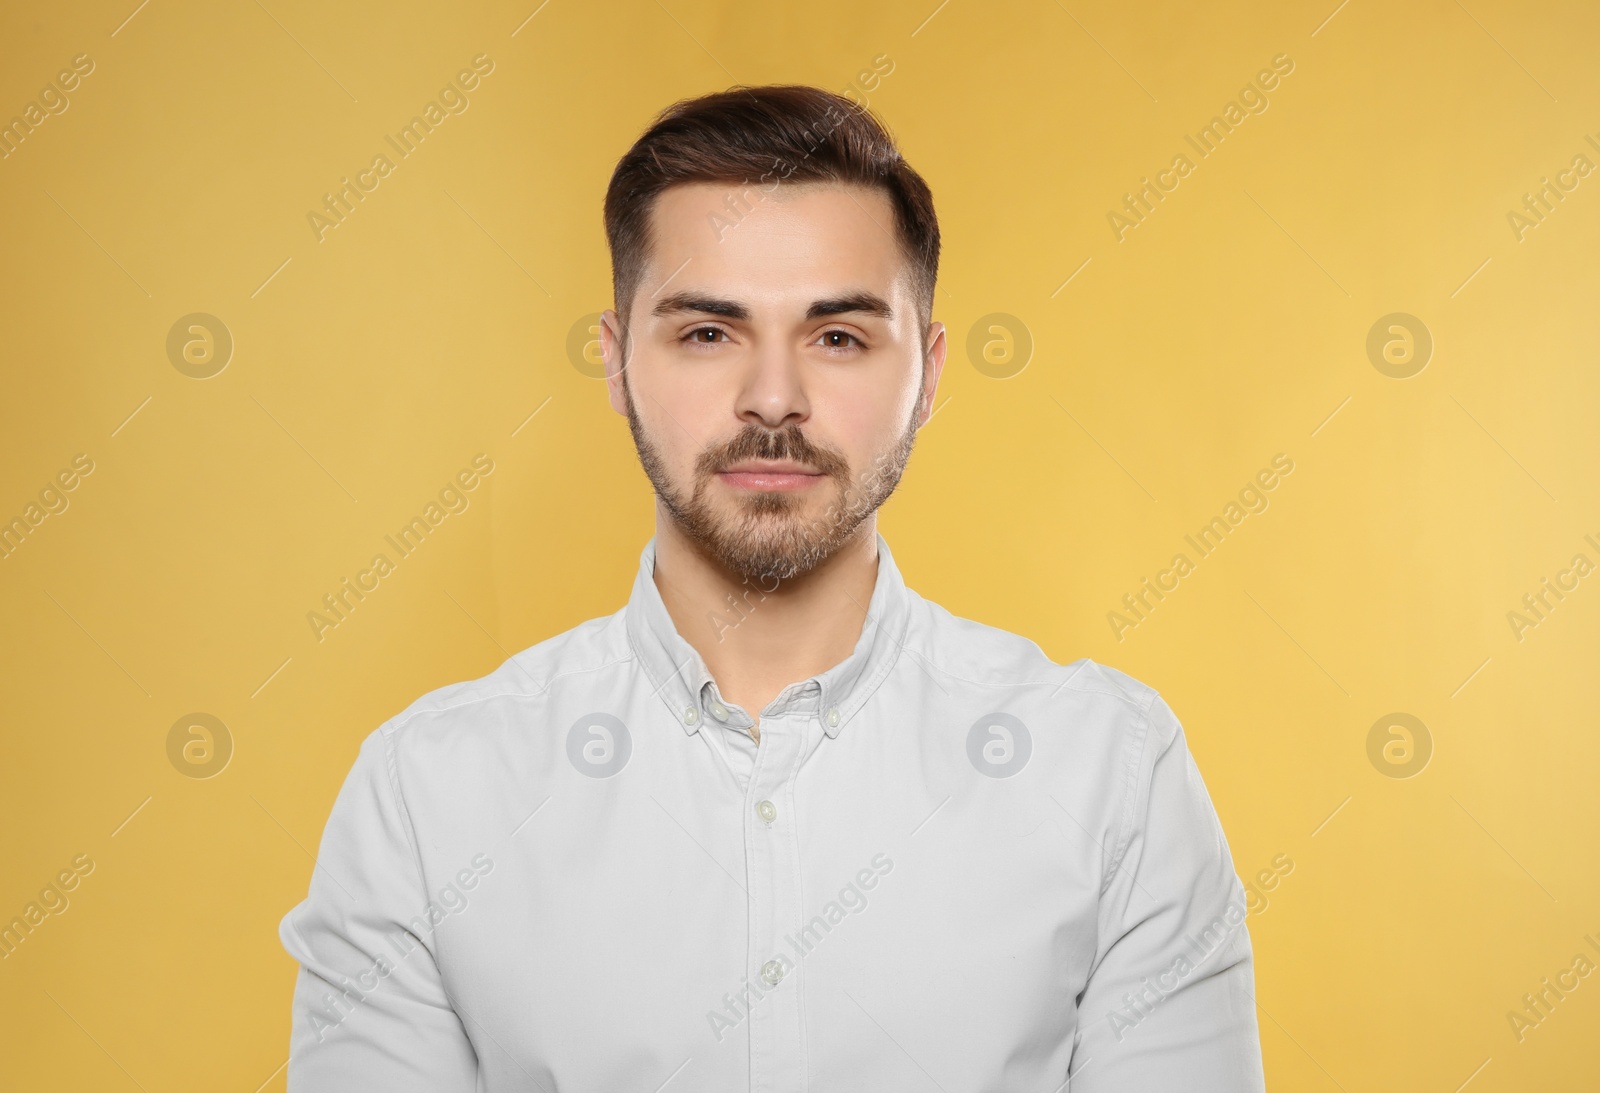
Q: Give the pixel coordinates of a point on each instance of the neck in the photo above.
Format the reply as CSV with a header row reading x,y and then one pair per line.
x,y
765,637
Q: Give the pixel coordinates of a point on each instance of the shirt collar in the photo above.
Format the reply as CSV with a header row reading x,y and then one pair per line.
x,y
679,675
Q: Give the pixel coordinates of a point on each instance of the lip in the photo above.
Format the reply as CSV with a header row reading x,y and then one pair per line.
x,y
778,476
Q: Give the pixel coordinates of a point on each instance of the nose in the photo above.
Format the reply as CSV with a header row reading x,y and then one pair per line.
x,y
772,389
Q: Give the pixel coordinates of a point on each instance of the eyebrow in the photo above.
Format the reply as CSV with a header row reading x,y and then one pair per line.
x,y
866,303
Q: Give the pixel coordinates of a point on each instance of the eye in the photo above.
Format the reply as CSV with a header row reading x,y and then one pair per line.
x,y
827,337
693,336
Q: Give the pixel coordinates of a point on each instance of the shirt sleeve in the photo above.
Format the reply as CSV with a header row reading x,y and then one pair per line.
x,y
1170,999
370,1009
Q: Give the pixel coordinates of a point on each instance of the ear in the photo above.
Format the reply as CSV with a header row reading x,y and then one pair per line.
x,y
932,369
611,353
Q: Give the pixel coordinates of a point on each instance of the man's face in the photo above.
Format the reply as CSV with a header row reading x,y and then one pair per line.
x,y
775,379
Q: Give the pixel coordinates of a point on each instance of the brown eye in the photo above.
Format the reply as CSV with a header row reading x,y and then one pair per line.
x,y
829,342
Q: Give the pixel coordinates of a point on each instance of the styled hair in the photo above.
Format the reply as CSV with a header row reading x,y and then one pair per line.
x,y
765,136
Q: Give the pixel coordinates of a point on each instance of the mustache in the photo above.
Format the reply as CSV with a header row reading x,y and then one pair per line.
x,y
754,442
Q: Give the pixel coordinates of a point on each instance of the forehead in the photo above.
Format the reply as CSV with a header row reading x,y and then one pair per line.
x,y
794,242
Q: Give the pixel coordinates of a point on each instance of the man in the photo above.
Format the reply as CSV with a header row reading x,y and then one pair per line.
x,y
779,823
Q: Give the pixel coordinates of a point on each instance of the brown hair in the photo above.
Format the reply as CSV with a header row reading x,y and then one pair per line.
x,y
751,135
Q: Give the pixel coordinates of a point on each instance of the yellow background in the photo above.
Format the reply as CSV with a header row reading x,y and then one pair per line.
x,y
1228,327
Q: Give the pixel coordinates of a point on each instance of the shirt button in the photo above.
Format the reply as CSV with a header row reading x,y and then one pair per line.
x,y
772,971
690,715
833,716
767,811
719,711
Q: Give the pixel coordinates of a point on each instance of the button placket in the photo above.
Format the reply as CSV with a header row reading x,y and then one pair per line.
x,y
776,1029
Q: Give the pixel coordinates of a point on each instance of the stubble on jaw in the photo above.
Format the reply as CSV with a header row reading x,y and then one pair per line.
x,y
770,538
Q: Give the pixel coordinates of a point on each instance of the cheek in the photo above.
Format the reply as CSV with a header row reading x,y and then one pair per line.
x,y
862,421
851,424
875,418
682,417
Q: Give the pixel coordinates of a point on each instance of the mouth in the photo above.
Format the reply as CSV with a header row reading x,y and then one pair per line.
x,y
778,476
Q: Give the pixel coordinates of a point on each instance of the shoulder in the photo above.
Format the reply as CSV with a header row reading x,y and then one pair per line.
x,y
455,720
1103,719
977,653
1097,732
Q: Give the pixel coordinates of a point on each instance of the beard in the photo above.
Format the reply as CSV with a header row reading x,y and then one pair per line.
x,y
769,536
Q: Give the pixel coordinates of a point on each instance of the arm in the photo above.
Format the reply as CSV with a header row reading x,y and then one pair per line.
x,y
370,1009
1170,1000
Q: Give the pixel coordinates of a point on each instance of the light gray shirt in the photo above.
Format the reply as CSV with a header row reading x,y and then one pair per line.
x,y
949,864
